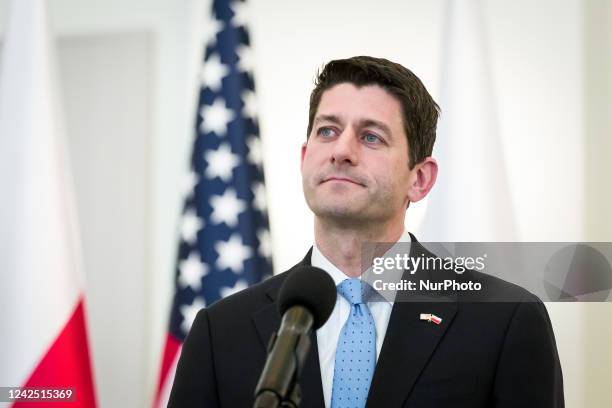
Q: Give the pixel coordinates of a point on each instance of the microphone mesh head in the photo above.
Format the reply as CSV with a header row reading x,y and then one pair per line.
x,y
311,288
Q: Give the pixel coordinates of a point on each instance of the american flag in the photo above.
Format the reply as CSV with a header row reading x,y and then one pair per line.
x,y
224,234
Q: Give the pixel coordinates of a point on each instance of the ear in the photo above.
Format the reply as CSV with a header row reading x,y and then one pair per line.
x,y
303,153
423,178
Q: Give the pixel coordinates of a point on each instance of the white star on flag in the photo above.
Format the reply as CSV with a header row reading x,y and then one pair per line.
x,y
226,208
245,58
190,180
241,13
215,117
265,243
221,162
190,225
240,285
259,192
213,72
249,107
192,270
211,28
255,154
189,313
232,253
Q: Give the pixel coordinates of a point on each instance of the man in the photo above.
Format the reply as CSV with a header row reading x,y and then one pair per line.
x,y
371,132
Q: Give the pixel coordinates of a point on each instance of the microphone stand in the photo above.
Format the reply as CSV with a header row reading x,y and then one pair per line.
x,y
278,384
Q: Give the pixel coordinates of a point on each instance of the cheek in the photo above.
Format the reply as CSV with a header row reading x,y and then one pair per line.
x,y
397,167
309,167
401,177
312,159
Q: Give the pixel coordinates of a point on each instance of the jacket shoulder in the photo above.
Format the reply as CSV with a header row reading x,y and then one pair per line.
x,y
250,298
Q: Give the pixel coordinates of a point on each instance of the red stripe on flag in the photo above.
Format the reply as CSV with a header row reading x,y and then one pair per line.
x,y
66,364
170,350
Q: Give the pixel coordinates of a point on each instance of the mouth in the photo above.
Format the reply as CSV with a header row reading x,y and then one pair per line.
x,y
341,180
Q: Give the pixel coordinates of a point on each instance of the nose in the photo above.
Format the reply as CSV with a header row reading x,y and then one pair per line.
x,y
345,148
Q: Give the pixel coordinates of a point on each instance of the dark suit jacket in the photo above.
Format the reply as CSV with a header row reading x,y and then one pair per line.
x,y
483,354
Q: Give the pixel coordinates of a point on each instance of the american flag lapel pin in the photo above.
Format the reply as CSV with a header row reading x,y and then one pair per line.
x,y
431,318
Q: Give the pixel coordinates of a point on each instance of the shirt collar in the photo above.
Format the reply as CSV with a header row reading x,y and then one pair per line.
x,y
320,261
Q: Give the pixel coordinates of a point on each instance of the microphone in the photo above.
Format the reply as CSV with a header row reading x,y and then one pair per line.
x,y
306,299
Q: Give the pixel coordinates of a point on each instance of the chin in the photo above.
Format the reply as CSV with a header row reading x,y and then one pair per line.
x,y
340,212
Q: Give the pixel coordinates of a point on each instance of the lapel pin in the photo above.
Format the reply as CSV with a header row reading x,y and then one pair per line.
x,y
431,318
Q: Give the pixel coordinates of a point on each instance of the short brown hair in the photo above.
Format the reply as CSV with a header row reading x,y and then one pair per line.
x,y
419,111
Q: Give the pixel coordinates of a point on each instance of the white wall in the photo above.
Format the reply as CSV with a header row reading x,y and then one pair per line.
x,y
544,56
597,132
109,120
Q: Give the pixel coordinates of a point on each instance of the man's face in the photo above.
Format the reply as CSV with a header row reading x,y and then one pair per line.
x,y
355,163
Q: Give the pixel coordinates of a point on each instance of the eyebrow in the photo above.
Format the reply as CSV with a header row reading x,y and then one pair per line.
x,y
328,118
362,122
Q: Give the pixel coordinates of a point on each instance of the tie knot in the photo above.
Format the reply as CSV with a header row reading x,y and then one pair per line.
x,y
355,291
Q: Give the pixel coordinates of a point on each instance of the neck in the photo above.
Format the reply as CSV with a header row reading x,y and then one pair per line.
x,y
342,245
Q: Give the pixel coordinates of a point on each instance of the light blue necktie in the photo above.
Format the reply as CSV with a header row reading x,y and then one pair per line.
x,y
356,351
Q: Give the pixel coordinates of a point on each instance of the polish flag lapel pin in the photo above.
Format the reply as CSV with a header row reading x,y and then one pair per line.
x,y
431,318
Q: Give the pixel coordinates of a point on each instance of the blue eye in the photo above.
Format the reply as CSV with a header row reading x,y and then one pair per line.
x,y
371,138
325,132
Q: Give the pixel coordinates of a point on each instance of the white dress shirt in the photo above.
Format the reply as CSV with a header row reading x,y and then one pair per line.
x,y
328,334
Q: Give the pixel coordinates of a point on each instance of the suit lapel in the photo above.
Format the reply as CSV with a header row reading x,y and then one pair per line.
x,y
267,321
409,341
407,346
312,388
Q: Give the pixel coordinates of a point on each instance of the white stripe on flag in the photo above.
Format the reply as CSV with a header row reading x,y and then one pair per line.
x,y
471,199
39,259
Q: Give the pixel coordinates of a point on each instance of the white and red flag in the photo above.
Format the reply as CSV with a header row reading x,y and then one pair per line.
x,y
471,201
43,341
432,318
